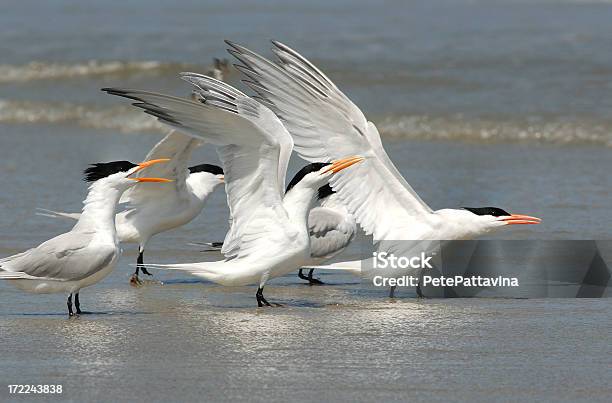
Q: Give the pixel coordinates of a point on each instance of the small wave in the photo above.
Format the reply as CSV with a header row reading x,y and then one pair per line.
x,y
127,119
123,118
45,71
556,130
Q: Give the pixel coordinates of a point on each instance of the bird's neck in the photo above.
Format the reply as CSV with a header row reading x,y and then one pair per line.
x,y
99,209
458,224
298,202
202,186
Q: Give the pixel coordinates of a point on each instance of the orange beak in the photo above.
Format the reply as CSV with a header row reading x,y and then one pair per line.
x,y
147,164
515,219
163,180
343,163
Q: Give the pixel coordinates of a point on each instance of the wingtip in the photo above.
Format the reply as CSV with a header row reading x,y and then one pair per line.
x,y
115,91
278,44
236,53
236,47
230,43
193,77
192,74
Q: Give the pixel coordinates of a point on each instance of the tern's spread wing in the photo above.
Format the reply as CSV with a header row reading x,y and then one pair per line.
x,y
176,146
330,232
325,126
254,150
63,258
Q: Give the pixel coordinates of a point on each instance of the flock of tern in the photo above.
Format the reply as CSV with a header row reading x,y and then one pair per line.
x,y
275,228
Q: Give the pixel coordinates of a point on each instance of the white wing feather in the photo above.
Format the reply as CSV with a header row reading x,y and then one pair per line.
x,y
176,146
330,232
65,257
254,151
325,126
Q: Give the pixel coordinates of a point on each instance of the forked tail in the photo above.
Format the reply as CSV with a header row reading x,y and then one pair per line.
x,y
352,267
16,275
211,271
208,246
56,214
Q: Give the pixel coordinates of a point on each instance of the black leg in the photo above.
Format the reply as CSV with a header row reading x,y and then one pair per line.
x,y
140,263
418,290
77,304
392,292
260,298
313,281
69,303
134,280
309,278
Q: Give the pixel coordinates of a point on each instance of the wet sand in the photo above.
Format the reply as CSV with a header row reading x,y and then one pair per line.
x,y
196,340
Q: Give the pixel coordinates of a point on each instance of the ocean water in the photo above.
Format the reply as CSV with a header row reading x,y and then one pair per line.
x,y
502,103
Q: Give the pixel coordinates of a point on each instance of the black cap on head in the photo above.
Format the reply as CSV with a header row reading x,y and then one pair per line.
x,y
213,169
104,169
314,167
494,211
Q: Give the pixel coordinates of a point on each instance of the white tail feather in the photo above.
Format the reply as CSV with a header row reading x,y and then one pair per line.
x,y
16,275
212,271
353,267
56,214
208,246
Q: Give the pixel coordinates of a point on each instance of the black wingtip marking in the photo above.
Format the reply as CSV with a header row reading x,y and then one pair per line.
x,y
163,117
247,71
280,45
230,43
122,93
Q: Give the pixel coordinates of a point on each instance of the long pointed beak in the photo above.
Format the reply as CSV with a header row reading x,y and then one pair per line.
x,y
343,163
222,178
162,180
146,164
515,219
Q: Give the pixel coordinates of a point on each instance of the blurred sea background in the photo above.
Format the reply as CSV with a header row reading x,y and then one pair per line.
x,y
479,103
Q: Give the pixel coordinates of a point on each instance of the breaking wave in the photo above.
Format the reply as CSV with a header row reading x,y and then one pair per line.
x,y
123,118
556,130
45,70
127,119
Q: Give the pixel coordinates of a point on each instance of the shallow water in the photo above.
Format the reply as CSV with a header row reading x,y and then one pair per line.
x,y
502,103
194,340
188,342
